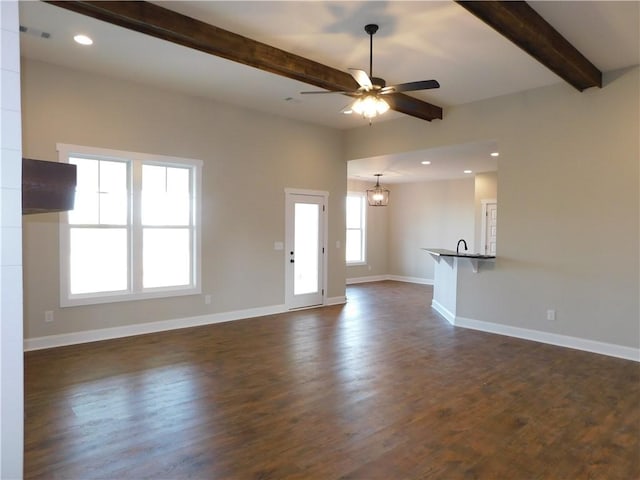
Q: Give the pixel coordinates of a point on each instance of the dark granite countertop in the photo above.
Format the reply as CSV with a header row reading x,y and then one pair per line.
x,y
441,252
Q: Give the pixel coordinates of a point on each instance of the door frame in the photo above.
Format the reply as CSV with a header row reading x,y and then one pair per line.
x,y
483,223
288,230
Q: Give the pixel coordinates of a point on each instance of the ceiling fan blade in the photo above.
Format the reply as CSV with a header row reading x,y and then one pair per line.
x,y
328,91
412,106
410,86
361,77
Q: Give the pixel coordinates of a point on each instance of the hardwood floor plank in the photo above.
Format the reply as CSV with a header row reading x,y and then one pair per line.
x,y
379,388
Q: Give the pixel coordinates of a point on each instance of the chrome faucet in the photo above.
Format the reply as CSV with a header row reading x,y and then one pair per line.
x,y
458,246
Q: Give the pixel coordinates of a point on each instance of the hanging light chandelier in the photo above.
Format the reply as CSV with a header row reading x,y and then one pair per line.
x,y
378,196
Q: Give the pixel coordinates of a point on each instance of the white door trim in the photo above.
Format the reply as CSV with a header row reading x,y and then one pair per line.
x,y
288,230
483,223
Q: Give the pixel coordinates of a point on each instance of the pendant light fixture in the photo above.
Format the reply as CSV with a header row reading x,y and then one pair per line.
x,y
378,196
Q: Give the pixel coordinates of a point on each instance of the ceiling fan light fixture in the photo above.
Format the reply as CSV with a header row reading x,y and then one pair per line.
x,y
378,196
370,106
369,103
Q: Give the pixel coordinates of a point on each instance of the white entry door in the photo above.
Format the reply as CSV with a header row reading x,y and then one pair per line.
x,y
304,253
489,227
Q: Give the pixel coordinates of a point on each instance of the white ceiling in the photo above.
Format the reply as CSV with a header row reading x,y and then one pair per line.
x,y
417,40
446,163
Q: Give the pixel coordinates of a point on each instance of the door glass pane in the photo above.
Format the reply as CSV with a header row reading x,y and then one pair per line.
x,y
98,260
306,268
166,257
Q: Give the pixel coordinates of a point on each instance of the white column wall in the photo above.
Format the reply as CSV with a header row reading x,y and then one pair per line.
x,y
11,336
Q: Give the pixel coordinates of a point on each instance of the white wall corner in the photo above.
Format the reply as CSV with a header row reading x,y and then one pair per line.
x,y
442,310
340,300
11,310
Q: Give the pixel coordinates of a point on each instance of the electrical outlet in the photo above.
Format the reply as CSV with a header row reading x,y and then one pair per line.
x,y
48,316
551,315
207,299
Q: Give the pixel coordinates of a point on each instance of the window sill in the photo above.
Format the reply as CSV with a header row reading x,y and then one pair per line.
x,y
88,299
356,264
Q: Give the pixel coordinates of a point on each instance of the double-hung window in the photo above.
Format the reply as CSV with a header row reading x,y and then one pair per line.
x,y
356,223
135,230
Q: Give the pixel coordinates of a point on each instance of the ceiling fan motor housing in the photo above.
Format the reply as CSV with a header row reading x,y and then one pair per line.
x,y
371,28
378,82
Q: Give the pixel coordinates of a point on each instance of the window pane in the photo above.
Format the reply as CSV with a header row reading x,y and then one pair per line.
x,y
354,211
166,197
354,246
113,193
86,205
178,180
165,209
154,178
101,192
98,260
113,176
86,208
166,256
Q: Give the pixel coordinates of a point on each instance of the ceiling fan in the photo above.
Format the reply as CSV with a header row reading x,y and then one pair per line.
x,y
369,96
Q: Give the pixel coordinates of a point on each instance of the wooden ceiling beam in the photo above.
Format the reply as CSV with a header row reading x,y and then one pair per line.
x,y
520,23
174,27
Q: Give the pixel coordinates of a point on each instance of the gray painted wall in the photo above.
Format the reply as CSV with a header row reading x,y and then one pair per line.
x,y
568,204
249,159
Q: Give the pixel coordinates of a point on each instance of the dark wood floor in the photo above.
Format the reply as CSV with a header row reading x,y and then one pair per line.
x,y
381,388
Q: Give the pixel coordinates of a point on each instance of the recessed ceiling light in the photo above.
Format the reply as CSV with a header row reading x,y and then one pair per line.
x,y
83,40
426,162
495,154
468,171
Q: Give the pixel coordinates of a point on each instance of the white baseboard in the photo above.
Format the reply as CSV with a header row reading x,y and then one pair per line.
x,y
336,300
421,281
73,338
370,278
397,278
87,336
610,349
448,315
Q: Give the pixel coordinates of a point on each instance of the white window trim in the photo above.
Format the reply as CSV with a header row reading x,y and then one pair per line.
x,y
364,229
69,300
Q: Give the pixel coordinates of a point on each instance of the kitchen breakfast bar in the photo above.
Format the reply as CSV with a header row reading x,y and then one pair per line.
x,y
445,277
